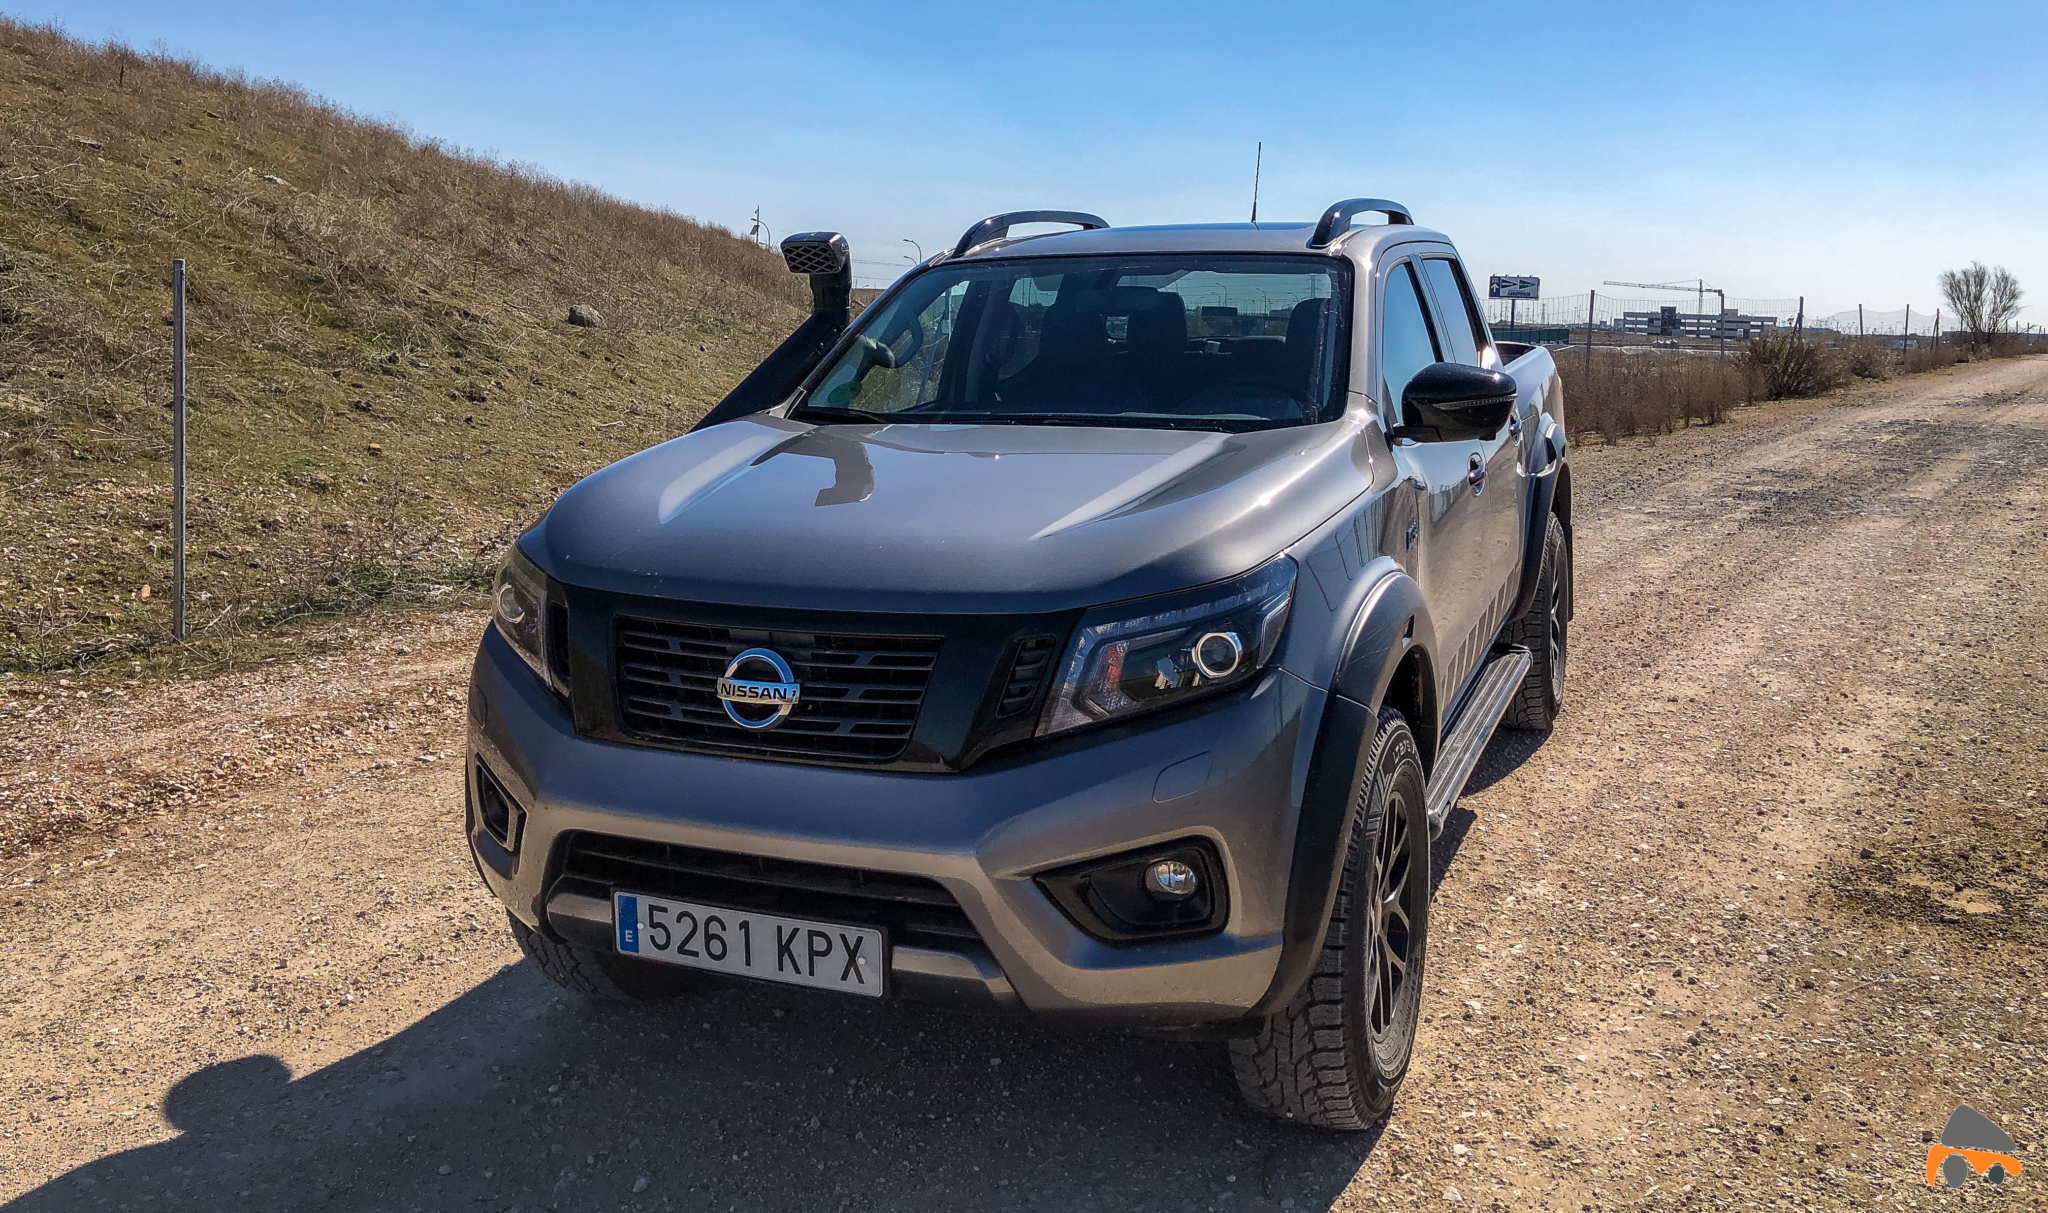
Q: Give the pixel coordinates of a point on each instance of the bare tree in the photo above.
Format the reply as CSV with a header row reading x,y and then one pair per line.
x,y
1984,300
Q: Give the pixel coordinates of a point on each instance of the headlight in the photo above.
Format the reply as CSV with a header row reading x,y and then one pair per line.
x,y
517,598
1139,656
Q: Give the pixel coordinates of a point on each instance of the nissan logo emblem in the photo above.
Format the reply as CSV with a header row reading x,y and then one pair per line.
x,y
758,681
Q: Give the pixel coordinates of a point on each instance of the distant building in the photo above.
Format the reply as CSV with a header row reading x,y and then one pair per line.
x,y
1730,325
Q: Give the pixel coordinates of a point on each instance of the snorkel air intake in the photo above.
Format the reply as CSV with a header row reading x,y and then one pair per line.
x,y
824,257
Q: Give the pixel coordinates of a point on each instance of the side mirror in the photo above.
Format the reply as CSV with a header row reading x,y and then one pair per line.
x,y
1453,402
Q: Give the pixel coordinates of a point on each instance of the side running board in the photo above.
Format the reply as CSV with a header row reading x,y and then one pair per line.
x,y
1467,741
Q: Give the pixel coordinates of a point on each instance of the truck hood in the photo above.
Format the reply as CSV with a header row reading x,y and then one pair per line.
x,y
770,512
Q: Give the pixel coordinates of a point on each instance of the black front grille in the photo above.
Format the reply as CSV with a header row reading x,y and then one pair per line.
x,y
861,694
913,909
1029,658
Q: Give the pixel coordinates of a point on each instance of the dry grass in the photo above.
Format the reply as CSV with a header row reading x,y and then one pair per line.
x,y
1647,391
351,284
1637,390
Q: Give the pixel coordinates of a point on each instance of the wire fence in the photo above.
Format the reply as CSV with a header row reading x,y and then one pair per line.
x,y
1696,317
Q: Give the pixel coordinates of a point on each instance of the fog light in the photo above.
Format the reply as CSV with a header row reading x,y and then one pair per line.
x,y
1159,892
1171,880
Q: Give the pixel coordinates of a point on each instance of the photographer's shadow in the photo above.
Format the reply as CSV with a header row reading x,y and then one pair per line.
x,y
518,1096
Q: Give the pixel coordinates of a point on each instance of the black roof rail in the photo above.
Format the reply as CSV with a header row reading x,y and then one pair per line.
x,y
1000,225
1337,219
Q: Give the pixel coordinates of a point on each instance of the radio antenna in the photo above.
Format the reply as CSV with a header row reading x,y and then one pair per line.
x,y
1258,164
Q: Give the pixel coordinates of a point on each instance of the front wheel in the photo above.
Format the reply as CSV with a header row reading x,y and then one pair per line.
x,y
1544,631
1335,1057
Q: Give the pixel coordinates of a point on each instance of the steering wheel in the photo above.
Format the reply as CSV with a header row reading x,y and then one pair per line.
x,y
1293,395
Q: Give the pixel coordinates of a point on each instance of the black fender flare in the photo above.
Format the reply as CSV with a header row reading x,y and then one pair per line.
x,y
1393,622
1546,461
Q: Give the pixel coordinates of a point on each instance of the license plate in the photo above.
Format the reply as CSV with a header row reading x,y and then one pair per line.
x,y
796,951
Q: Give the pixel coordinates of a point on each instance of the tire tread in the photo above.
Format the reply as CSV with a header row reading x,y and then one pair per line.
x,y
1534,708
1302,1066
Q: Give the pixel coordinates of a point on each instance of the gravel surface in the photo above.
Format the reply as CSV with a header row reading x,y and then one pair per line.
x,y
1739,933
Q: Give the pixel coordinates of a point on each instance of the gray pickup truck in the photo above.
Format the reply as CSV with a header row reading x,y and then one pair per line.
x,y
1098,627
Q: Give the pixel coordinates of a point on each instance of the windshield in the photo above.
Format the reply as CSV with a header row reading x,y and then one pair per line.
x,y
1190,342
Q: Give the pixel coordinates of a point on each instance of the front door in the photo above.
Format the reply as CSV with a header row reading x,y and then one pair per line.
x,y
1449,558
1495,469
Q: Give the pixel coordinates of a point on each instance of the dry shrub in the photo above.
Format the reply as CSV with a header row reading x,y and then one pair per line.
x,y
1646,391
1869,359
1781,367
1930,358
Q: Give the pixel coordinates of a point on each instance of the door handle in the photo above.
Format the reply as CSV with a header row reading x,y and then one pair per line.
x,y
1514,425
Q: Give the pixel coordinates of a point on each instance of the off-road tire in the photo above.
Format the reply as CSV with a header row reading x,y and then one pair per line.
x,y
603,975
1320,1061
1546,632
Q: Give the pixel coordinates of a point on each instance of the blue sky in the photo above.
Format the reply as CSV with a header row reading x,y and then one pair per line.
x,y
1844,152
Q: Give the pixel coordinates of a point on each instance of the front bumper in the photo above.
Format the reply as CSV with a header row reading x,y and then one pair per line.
x,y
1231,772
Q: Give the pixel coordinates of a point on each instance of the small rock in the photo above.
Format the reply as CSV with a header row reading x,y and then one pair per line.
x,y
639,1185
1460,1151
376,448
274,179
361,406
1451,1196
584,316
1866,853
444,1169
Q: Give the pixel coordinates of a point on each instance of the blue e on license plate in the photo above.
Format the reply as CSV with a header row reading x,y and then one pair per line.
x,y
795,951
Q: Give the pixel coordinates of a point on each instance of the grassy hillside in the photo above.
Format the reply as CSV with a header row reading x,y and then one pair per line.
x,y
384,382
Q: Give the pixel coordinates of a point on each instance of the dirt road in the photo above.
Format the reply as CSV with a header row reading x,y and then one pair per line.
x,y
1764,907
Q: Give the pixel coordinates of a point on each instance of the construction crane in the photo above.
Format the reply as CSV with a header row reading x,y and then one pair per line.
x,y
1700,290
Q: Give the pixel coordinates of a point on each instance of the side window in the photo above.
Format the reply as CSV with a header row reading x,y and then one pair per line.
x,y
918,344
1464,329
1407,343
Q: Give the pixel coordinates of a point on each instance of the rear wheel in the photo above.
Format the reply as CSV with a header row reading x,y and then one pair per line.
x,y
1335,1057
605,975
1545,632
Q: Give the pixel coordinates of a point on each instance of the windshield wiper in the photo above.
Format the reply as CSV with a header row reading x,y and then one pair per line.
x,y
808,411
1132,421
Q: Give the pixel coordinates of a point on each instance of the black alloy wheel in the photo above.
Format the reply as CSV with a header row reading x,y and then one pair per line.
x,y
1400,893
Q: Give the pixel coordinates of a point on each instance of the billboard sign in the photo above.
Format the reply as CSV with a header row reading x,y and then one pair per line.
x,y
1504,286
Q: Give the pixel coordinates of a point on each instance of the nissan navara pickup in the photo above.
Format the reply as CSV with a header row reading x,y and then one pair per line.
x,y
1099,627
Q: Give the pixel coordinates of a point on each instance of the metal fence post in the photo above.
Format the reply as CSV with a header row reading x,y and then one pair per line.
x,y
1592,304
178,449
